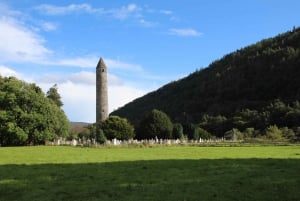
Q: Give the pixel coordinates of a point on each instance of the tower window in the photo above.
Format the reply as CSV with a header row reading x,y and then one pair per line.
x,y
102,70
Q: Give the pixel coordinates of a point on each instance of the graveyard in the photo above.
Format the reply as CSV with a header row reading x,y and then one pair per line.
x,y
150,173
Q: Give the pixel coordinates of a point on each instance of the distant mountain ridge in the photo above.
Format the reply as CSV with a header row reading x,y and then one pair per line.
x,y
78,126
251,77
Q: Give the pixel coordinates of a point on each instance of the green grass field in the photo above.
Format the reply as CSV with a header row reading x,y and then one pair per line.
x,y
157,173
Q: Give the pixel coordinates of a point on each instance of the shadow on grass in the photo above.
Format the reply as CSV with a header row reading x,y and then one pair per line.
x,y
223,179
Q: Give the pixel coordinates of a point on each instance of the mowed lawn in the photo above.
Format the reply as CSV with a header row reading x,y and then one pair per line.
x,y
157,173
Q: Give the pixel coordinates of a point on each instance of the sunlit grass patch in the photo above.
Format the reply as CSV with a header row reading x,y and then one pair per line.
x,y
160,173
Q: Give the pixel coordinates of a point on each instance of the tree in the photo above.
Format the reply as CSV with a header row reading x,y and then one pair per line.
x,y
53,95
216,125
273,133
245,118
288,134
292,118
14,135
101,138
96,134
297,133
278,110
92,131
203,134
233,134
155,124
85,134
249,133
189,130
27,116
117,127
177,131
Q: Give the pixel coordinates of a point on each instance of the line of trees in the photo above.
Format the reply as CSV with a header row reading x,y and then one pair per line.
x,y
277,122
277,113
30,117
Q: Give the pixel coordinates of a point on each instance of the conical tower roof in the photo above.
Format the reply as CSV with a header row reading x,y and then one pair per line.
x,y
101,63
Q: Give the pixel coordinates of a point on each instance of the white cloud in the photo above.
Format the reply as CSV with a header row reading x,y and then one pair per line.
x,y
48,26
124,12
118,96
116,64
5,10
79,101
130,11
7,72
91,62
62,10
131,8
114,80
83,77
145,23
184,32
89,78
48,78
119,13
19,43
84,62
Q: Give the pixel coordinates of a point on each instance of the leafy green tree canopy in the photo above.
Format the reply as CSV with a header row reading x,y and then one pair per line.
x,y
155,124
27,116
117,127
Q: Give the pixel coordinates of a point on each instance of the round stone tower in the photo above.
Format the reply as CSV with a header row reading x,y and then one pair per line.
x,y
101,92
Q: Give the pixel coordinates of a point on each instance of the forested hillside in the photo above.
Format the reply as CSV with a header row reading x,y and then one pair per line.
x,y
255,79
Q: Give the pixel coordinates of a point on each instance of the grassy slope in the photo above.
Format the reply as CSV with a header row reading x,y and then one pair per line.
x,y
160,173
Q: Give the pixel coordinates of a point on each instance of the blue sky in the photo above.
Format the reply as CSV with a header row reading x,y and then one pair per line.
x,y
145,44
